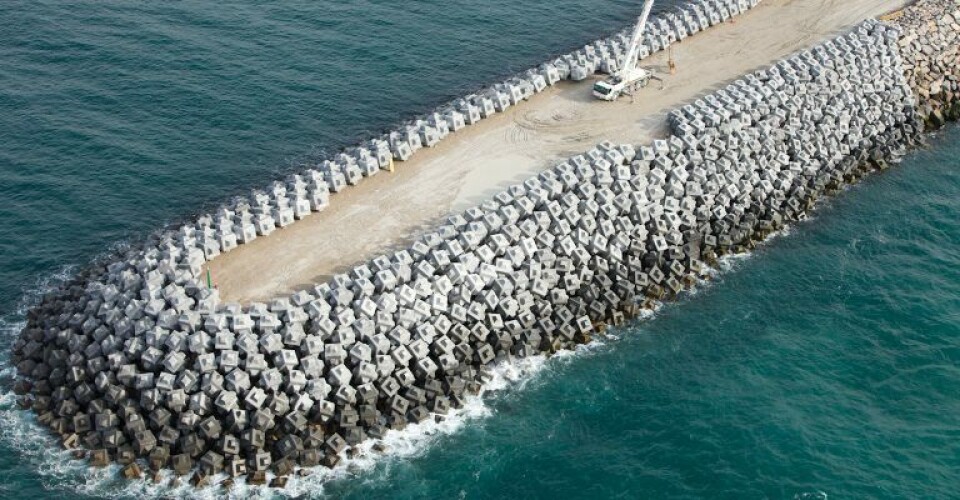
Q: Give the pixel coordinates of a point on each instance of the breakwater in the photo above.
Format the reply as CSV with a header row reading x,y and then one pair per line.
x,y
538,262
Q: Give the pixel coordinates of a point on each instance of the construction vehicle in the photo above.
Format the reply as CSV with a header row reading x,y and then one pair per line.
x,y
629,76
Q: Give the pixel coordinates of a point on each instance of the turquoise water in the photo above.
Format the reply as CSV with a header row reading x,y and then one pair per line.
x,y
825,365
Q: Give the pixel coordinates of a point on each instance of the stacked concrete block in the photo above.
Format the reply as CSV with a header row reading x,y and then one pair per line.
x,y
455,119
400,146
135,357
429,134
367,163
469,110
550,73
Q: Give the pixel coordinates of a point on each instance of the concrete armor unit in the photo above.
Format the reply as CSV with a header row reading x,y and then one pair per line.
x,y
138,359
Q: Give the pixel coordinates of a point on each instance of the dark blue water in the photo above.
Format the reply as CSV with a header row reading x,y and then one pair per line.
x,y
825,365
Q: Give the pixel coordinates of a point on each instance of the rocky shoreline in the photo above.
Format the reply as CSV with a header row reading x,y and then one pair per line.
x,y
931,52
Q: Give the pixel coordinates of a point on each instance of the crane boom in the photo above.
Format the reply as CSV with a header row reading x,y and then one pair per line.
x,y
633,53
629,76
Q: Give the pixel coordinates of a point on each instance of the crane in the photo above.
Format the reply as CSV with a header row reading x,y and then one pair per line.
x,y
630,74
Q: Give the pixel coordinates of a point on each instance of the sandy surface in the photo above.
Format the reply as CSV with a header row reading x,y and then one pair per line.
x,y
387,211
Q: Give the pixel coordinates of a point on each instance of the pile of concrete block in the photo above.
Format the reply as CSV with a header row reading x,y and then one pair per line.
x,y
136,360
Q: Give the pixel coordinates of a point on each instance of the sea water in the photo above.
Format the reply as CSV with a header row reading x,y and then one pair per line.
x,y
825,364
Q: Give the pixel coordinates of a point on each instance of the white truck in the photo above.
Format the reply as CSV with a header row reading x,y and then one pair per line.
x,y
630,75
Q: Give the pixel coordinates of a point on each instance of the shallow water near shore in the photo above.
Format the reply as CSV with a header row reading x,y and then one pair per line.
x,y
825,364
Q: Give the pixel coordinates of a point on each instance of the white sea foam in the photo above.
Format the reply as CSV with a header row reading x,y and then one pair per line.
x,y
60,470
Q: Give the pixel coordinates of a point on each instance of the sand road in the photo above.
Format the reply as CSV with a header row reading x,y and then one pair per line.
x,y
388,211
